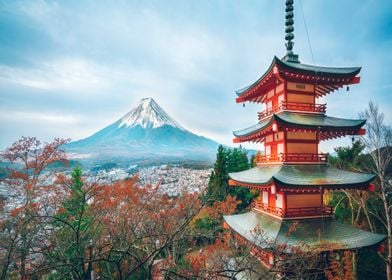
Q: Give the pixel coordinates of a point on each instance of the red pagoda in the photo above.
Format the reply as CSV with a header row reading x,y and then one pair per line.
x,y
292,176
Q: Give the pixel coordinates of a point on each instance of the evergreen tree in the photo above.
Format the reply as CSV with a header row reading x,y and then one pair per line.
x,y
218,183
227,161
74,232
238,161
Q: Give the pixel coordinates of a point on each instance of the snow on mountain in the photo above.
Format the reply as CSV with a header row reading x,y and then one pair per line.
x,y
146,132
148,114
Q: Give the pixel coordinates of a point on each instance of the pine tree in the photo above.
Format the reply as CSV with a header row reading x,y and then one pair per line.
x,y
238,161
218,184
74,232
227,161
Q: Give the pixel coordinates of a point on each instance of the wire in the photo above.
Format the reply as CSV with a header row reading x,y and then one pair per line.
x,y
307,32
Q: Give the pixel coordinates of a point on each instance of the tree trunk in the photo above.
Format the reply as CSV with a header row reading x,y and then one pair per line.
x,y
354,260
389,231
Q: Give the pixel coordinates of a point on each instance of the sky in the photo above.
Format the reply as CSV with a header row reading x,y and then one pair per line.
x,y
70,68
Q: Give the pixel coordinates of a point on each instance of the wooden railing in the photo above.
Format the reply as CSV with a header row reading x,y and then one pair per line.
x,y
295,106
302,157
267,208
269,158
308,211
292,157
294,212
308,107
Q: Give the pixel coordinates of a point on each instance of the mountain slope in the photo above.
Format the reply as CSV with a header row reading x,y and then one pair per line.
x,y
147,131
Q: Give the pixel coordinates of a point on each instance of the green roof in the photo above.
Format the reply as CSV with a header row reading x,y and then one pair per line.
x,y
308,175
304,68
315,121
320,70
320,232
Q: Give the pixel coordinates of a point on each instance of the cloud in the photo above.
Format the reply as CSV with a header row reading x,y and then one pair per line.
x,y
67,74
42,118
91,62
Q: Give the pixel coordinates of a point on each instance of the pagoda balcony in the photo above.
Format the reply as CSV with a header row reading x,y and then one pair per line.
x,y
294,212
294,106
292,158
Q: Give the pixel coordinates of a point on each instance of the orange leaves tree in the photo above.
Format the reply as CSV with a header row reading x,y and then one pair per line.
x,y
28,176
142,224
117,230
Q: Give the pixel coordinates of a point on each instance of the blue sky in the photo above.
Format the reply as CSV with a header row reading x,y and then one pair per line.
x,y
69,68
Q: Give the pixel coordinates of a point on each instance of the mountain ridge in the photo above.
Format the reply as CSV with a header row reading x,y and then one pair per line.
x,y
146,131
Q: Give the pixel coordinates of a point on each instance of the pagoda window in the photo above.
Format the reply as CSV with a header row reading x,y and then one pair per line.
x,y
306,148
265,197
300,98
303,200
279,201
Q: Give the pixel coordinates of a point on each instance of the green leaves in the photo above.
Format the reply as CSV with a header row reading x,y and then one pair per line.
x,y
227,161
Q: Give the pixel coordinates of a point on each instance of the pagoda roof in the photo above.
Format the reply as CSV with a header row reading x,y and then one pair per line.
x,y
322,233
320,122
301,176
334,77
320,70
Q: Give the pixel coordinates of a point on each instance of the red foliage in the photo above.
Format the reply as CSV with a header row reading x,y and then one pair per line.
x,y
29,174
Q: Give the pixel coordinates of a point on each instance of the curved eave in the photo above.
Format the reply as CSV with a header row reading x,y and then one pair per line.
x,y
330,127
255,176
300,176
250,133
328,78
320,175
320,234
317,121
246,89
320,70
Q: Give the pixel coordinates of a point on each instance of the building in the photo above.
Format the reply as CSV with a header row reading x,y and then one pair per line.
x,y
292,176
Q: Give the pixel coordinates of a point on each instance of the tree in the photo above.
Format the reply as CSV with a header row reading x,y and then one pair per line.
x,y
378,143
75,229
218,184
352,205
227,161
28,175
238,161
118,230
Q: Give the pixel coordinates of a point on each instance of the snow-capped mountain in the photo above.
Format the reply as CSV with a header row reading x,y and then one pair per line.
x,y
148,114
146,132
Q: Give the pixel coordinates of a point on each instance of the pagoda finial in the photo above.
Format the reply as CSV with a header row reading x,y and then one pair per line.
x,y
290,56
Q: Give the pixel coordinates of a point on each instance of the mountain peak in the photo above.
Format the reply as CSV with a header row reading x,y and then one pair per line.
x,y
148,114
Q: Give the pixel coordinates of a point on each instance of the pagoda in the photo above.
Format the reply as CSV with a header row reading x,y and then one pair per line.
x,y
292,176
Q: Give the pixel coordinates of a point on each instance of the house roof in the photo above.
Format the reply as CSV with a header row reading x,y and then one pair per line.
x,y
325,234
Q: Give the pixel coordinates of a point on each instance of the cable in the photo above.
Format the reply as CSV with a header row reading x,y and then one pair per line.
x,y
306,29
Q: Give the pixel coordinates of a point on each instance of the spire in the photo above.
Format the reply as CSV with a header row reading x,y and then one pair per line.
x,y
290,56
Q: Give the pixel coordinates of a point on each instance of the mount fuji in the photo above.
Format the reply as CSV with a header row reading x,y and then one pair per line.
x,y
146,133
